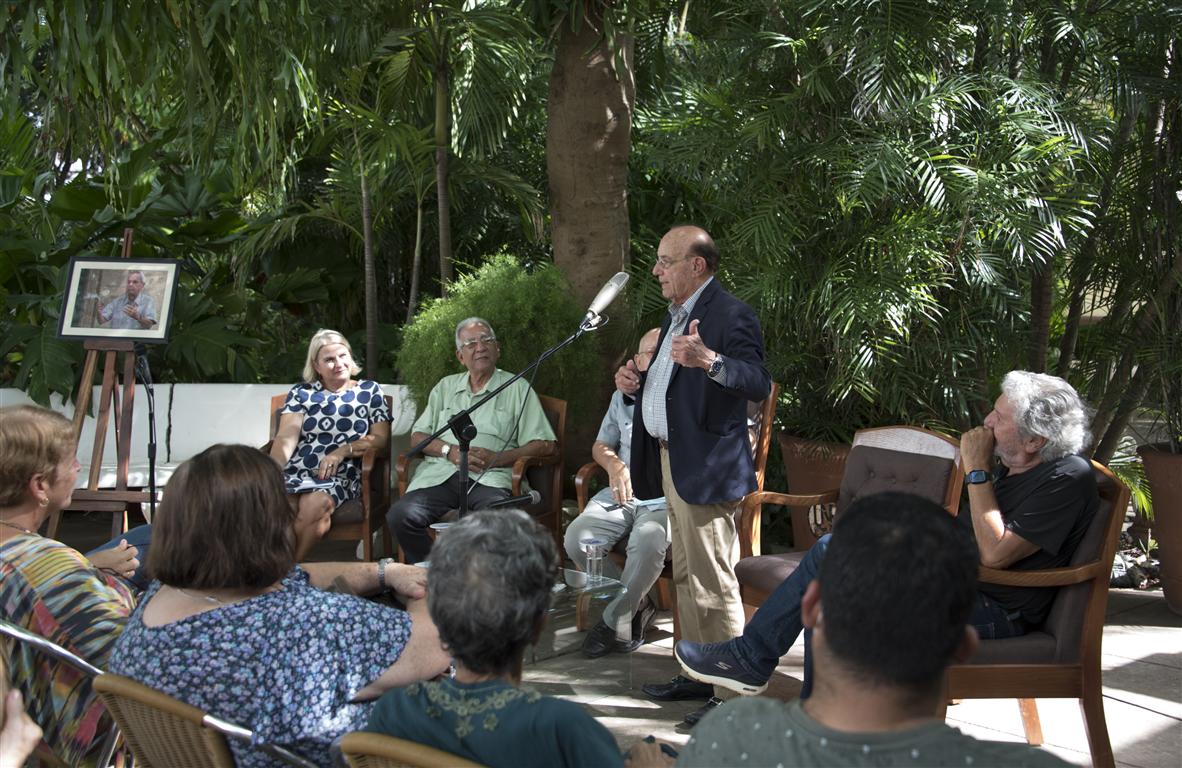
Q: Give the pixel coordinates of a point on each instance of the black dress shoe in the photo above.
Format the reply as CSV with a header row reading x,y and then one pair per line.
x,y
690,720
600,641
640,624
678,689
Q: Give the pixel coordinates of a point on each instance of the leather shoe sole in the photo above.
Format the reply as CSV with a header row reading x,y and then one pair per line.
x,y
678,689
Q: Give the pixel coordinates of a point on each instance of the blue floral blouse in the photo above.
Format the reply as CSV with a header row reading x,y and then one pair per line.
x,y
284,664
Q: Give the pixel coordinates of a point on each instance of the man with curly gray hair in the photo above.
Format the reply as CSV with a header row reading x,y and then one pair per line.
x,y
1030,509
1031,496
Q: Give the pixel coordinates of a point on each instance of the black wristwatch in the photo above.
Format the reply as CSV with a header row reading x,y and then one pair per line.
x,y
977,476
715,367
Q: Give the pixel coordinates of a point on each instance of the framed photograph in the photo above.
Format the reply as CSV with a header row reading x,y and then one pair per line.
x,y
119,299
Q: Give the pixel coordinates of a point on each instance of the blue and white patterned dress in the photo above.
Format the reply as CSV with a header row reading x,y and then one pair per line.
x,y
329,420
285,664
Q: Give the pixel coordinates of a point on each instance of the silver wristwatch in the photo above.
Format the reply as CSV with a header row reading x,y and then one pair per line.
x,y
445,450
385,561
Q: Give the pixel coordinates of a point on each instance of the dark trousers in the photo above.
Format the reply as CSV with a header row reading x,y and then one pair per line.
x,y
411,516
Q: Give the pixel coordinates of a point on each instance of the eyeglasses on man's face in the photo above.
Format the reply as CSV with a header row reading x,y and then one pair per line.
x,y
664,263
471,343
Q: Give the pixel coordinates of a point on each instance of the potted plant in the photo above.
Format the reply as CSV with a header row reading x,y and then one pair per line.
x,y
1163,460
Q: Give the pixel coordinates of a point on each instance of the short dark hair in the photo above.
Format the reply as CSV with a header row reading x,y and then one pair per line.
x,y
897,585
225,522
489,587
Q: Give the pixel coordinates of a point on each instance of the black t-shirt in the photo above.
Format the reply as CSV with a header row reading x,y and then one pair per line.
x,y
1050,506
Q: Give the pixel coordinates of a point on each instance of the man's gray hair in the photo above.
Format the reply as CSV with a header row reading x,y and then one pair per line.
x,y
488,588
473,321
1048,407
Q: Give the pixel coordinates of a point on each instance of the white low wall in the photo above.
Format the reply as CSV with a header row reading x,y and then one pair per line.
x,y
192,417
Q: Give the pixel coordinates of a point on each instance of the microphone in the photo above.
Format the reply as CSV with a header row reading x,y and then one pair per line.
x,y
607,294
533,497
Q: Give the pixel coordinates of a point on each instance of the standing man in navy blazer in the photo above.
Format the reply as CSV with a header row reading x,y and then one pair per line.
x,y
689,438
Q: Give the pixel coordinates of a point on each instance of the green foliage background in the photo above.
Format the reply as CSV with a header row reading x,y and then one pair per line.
x,y
530,308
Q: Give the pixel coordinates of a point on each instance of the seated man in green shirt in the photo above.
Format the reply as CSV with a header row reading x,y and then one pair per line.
x,y
502,438
889,611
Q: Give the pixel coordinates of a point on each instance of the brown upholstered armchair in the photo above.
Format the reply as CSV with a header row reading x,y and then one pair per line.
x,y
899,458
1060,659
356,519
542,473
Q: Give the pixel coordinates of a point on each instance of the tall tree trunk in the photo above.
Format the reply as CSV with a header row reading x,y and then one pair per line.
x,y
1081,265
588,138
412,301
442,153
371,272
1041,299
587,143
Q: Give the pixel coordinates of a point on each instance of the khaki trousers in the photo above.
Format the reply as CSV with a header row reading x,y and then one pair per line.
x,y
705,546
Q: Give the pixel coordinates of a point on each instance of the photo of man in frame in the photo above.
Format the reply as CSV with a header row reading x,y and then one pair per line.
x,y
98,304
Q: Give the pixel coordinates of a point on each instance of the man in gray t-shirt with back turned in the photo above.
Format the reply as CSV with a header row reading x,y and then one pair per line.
x,y
889,612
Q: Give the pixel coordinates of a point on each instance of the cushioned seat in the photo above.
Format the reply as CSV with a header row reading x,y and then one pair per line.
x,y
1035,647
766,572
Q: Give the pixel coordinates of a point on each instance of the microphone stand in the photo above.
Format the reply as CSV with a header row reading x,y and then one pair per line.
x,y
145,373
464,430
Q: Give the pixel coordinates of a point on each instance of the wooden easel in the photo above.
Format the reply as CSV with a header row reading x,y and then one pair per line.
x,y
119,397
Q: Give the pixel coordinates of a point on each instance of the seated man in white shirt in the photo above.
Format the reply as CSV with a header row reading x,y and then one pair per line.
x,y
613,514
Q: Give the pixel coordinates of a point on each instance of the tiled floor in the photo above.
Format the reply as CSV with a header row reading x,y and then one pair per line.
x,y
1142,680
1142,691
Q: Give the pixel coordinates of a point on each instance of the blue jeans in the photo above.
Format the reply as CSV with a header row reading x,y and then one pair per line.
x,y
139,537
994,622
776,625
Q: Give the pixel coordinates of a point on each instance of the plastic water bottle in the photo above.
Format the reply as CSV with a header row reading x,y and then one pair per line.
x,y
594,549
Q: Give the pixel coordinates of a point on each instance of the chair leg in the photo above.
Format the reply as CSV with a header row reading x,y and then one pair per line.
x,y
664,586
1091,705
582,606
1030,722
366,544
676,616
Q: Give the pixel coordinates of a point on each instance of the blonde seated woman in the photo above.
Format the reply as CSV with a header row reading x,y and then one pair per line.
x,y
232,625
329,421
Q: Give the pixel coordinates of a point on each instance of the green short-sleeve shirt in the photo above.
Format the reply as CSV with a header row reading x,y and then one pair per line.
x,y
494,425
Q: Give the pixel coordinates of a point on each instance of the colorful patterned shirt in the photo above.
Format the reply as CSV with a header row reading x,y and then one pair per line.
x,y
55,592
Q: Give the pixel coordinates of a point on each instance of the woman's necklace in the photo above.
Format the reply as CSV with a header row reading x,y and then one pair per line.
x,y
207,598
19,528
218,600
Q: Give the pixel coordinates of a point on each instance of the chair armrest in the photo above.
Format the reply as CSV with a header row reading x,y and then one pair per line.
x,y
751,515
583,480
402,470
1049,577
525,462
795,499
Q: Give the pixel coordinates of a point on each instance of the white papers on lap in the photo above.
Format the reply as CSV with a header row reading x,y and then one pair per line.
x,y
309,484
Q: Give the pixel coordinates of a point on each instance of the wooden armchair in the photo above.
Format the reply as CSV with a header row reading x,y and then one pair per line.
x,y
356,518
163,732
543,473
1061,659
760,417
374,750
899,458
